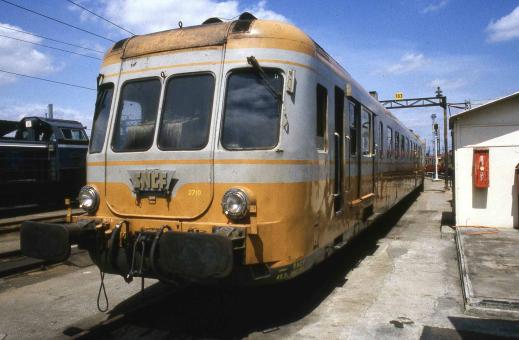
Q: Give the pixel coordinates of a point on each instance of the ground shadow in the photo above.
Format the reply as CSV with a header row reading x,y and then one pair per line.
x,y
447,218
474,329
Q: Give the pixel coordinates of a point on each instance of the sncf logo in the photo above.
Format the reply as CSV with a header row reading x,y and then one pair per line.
x,y
151,181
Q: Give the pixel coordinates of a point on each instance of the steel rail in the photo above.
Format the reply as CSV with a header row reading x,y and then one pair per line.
x,y
11,224
14,262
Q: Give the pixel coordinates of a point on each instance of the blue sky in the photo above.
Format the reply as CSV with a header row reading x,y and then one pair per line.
x,y
470,49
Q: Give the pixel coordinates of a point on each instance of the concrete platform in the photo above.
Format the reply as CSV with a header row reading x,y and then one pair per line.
x,y
489,268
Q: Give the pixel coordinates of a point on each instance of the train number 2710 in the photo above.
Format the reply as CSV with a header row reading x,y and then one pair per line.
x,y
194,192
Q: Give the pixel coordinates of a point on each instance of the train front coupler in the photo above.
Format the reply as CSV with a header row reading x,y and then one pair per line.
x,y
153,253
167,255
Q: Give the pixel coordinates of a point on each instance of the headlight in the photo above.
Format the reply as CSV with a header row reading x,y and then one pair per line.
x,y
88,199
235,203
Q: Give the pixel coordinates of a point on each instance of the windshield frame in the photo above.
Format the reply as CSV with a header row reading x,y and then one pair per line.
x,y
280,103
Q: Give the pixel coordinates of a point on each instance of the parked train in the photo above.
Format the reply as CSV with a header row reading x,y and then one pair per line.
x,y
41,161
236,151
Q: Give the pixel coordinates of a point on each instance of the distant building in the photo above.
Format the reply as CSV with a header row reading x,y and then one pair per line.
x,y
486,153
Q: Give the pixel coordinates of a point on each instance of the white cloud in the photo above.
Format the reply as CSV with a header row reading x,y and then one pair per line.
x,y
141,17
435,6
21,57
261,12
505,28
408,62
83,15
449,83
18,111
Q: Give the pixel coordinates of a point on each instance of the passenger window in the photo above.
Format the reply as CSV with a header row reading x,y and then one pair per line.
x,y
366,133
407,149
136,116
101,115
397,144
252,111
353,129
389,137
322,101
186,116
381,140
402,147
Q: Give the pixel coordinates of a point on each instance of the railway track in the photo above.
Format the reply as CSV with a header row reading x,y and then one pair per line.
x,y
11,224
12,261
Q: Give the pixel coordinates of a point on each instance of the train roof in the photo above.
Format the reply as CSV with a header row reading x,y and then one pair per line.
x,y
246,32
62,123
7,126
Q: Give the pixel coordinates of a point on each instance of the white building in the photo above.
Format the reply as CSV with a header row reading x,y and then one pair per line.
x,y
492,129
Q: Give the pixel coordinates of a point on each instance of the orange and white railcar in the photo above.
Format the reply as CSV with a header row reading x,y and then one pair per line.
x,y
235,151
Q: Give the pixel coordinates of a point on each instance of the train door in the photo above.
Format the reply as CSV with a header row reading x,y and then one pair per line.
x,y
354,153
367,181
338,200
378,147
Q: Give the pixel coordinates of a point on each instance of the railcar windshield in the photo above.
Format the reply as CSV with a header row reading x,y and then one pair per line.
x,y
187,111
73,134
252,113
136,116
101,114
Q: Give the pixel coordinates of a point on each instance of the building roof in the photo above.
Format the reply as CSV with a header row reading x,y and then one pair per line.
x,y
481,107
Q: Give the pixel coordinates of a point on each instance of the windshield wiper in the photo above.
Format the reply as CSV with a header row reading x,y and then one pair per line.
x,y
257,67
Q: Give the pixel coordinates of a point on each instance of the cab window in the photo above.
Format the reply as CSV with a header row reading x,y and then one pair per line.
x,y
186,116
73,134
136,116
252,110
101,115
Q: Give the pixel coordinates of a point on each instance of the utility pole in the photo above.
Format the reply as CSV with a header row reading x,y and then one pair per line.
x,y
435,137
443,99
